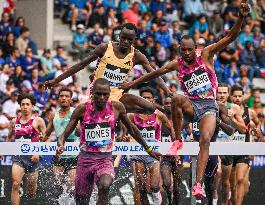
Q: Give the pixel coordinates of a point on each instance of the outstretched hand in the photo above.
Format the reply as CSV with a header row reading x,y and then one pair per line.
x,y
60,150
125,86
244,9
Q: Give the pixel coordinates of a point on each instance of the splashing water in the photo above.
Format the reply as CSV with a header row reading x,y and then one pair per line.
x,y
65,198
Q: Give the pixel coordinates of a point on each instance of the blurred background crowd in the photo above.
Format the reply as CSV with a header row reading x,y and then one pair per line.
x,y
161,23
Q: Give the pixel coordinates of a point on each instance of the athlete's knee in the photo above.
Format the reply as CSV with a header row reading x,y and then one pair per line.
x,y
16,185
240,180
226,183
155,186
205,142
104,185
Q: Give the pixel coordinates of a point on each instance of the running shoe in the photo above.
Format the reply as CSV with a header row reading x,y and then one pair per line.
x,y
198,192
157,198
175,147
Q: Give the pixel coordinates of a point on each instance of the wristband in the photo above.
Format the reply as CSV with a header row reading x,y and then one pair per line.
x,y
149,149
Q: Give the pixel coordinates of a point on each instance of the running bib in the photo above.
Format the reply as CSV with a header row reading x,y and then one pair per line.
x,y
195,129
166,139
197,82
147,133
25,138
239,137
115,75
97,132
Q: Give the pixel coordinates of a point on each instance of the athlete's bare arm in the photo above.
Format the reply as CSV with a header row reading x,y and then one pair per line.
x,y
237,119
76,116
49,129
225,122
165,121
10,136
209,51
97,53
41,127
173,65
140,59
253,117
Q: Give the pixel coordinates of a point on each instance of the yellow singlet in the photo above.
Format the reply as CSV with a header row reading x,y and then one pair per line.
x,y
115,70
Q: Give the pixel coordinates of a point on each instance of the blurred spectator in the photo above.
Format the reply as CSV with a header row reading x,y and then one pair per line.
x,y
132,15
80,41
9,43
112,20
18,77
244,36
211,6
5,26
108,4
216,24
95,38
59,58
83,96
99,17
200,28
231,14
142,31
11,106
175,32
147,17
261,117
260,53
41,96
66,81
259,13
257,36
47,69
9,7
10,87
248,59
13,60
244,82
255,93
107,35
20,23
2,58
171,13
5,72
156,5
192,10
29,62
4,125
35,79
158,18
26,87
123,6
23,40
163,35
144,6
231,73
160,54
77,7
227,55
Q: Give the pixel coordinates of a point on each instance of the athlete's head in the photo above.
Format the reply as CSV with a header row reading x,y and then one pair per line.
x,y
187,48
223,92
100,93
167,105
65,97
127,35
26,102
237,95
148,94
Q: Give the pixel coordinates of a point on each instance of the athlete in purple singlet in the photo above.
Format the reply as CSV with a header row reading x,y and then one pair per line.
x,y
25,128
98,118
199,84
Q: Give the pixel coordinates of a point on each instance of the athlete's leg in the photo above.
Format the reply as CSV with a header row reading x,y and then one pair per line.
x,y
154,171
17,177
216,183
104,184
226,172
137,104
32,181
181,107
233,188
241,172
71,180
207,127
140,192
176,183
246,181
166,170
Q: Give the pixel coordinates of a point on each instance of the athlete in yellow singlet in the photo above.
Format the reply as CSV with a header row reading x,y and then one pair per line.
x,y
116,61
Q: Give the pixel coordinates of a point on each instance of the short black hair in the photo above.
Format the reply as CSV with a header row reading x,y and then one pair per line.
x,y
100,81
23,96
147,89
65,89
129,26
24,29
237,88
187,37
224,85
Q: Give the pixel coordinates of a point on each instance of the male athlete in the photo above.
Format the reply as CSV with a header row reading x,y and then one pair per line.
x,y
238,123
143,166
116,60
170,166
98,118
199,84
58,122
25,128
241,163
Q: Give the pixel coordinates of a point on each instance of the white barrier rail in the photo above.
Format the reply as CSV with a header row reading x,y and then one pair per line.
x,y
127,148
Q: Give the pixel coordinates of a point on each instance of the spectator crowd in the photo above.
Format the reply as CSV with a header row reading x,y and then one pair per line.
x,y
161,23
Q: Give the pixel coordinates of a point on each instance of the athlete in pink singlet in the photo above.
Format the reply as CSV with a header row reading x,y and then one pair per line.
x,y
198,82
98,119
25,128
